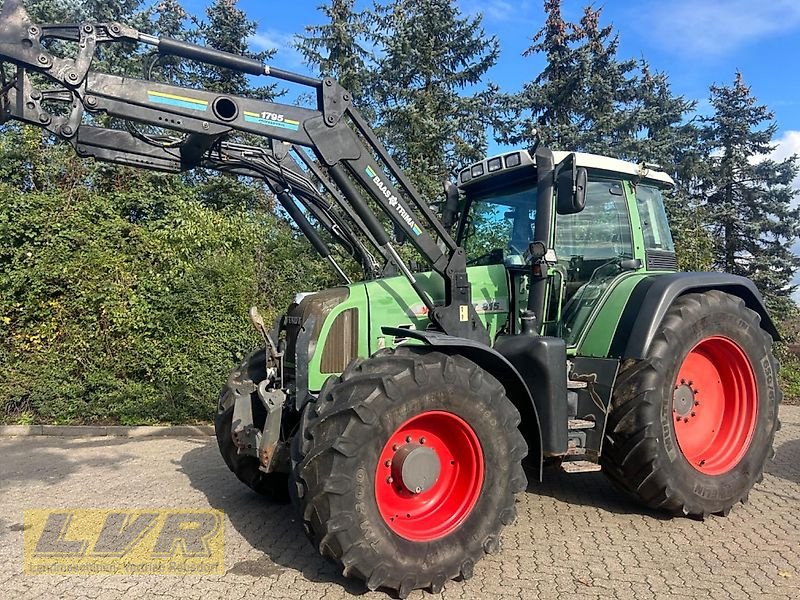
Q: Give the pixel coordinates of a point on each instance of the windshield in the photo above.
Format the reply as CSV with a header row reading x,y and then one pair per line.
x,y
499,225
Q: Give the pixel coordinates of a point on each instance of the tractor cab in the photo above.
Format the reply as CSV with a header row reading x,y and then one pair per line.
x,y
620,227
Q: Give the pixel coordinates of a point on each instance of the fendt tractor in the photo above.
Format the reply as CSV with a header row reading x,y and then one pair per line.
x,y
546,320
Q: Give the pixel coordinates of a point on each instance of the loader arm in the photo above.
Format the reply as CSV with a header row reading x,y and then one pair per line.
x,y
340,139
282,175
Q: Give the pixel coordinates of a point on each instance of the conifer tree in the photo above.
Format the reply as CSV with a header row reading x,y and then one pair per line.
x,y
337,48
749,196
431,56
588,99
227,28
581,99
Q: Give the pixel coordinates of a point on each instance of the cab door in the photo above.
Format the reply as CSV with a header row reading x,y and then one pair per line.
x,y
592,248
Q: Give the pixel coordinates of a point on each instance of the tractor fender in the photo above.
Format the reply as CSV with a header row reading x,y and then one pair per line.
x,y
495,363
652,297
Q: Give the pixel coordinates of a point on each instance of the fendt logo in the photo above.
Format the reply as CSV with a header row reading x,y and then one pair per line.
x,y
83,542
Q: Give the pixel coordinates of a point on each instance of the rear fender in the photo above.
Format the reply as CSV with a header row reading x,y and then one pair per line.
x,y
653,296
496,364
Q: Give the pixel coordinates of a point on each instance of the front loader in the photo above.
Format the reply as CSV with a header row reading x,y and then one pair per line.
x,y
547,319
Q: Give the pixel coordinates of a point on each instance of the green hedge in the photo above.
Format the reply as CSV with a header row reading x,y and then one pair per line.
x,y
124,297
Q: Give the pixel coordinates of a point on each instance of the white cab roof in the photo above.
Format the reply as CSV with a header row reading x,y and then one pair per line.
x,y
605,163
519,159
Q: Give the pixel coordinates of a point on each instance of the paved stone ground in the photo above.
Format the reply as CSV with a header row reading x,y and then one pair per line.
x,y
576,537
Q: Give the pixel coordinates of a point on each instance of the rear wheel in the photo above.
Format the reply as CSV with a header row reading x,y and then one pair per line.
x,y
406,468
244,381
692,425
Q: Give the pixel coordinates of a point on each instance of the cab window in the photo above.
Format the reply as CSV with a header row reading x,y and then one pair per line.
x,y
655,226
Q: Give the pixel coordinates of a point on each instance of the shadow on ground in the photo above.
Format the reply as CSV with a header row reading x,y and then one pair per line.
x,y
41,459
271,528
592,489
786,463
275,529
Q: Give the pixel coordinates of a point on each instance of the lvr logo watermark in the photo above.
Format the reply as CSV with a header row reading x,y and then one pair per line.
x,y
83,541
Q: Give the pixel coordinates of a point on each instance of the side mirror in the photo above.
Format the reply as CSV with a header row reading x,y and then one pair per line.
x,y
450,211
570,186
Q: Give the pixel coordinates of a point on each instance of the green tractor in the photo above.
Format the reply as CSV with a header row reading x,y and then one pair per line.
x,y
410,443
548,324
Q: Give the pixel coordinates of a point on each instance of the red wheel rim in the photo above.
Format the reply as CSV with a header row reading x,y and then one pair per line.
x,y
438,501
715,405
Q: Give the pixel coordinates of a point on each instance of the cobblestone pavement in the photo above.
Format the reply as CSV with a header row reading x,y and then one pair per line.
x,y
575,537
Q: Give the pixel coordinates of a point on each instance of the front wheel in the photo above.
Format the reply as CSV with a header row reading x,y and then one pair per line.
x,y
244,380
691,426
406,468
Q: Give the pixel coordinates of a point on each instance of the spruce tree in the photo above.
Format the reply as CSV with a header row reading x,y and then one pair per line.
x,y
588,99
337,48
227,28
170,20
581,99
431,56
749,196
663,134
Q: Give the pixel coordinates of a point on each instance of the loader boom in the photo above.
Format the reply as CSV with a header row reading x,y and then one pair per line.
x,y
344,146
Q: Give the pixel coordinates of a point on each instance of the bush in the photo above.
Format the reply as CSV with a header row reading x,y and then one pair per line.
x,y
129,305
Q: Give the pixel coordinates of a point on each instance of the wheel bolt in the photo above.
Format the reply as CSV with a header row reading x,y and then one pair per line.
x,y
388,463
702,462
408,439
696,403
390,480
690,383
683,381
422,440
417,490
693,413
686,419
394,447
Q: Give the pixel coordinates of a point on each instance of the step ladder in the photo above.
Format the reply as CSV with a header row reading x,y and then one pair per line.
x,y
573,464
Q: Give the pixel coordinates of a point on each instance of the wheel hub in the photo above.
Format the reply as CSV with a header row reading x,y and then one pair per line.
x,y
417,467
683,400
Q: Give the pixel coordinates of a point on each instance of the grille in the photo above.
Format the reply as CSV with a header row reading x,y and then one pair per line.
x,y
341,344
661,260
318,306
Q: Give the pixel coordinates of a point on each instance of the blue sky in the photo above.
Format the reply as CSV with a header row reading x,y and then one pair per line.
x,y
697,42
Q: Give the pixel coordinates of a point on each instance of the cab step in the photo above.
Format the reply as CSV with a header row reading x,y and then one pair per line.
x,y
579,466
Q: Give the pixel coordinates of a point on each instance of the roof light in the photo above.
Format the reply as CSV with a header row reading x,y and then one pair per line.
x,y
495,164
477,170
513,160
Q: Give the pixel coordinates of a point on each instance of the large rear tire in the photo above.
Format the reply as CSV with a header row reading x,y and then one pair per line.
x,y
405,468
244,380
691,426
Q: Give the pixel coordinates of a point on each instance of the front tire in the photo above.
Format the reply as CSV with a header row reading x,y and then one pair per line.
x,y
406,468
691,426
244,380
